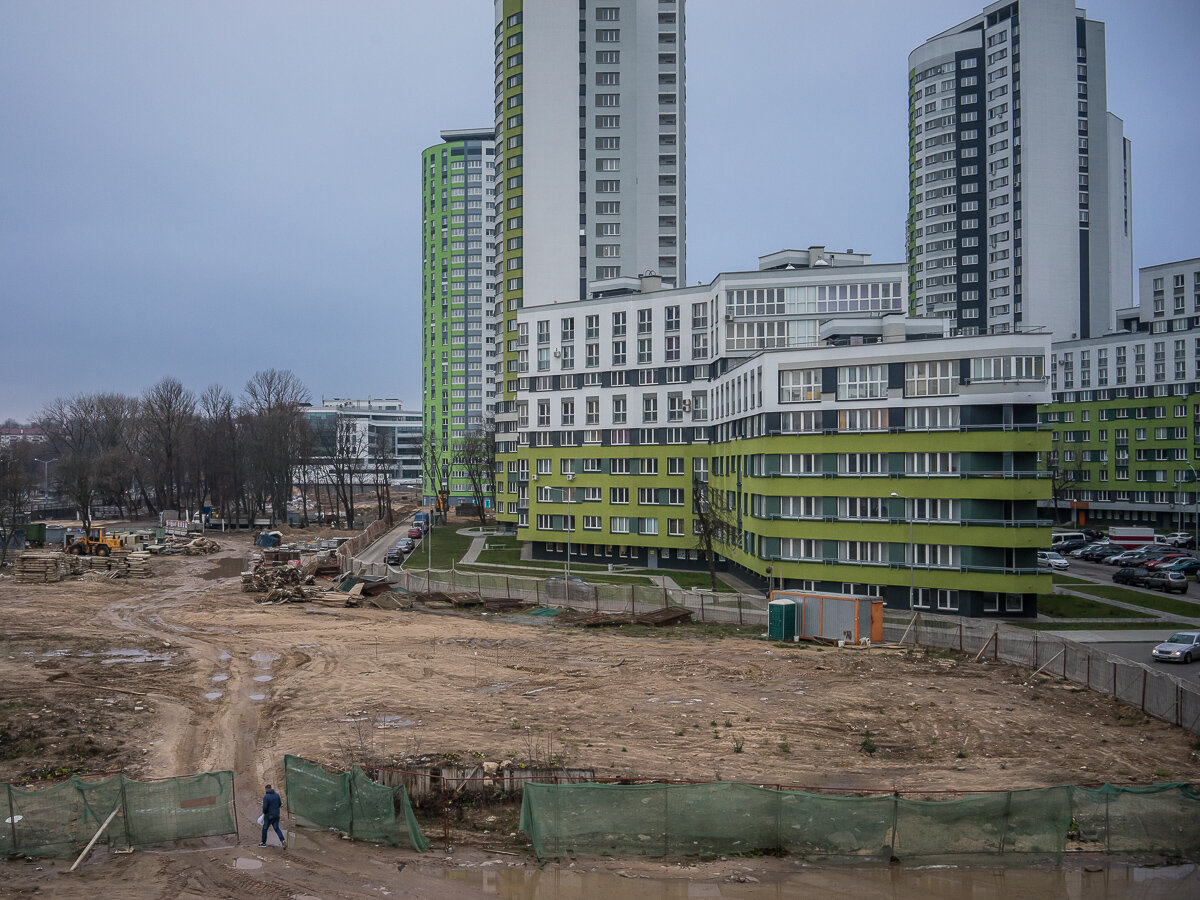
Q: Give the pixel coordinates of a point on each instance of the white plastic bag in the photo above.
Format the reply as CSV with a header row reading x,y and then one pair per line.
x,y
260,818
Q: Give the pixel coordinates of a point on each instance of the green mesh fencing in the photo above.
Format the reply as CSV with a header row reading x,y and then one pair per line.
x,y
58,820
350,802
723,818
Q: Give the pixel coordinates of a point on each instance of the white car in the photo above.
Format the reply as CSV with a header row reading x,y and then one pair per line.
x,y
1175,538
1052,559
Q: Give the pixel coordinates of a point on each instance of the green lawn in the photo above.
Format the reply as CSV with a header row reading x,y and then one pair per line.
x,y
1069,579
1099,626
447,546
1068,606
1162,602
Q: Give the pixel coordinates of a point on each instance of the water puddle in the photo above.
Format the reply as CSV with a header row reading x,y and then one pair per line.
x,y
263,658
135,656
392,722
264,677
243,862
214,695
498,687
258,696
220,678
736,881
224,654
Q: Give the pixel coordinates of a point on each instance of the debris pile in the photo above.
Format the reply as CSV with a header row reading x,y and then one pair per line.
x,y
201,546
139,564
281,584
47,566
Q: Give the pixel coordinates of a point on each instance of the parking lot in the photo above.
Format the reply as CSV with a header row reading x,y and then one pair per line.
x,y
1136,643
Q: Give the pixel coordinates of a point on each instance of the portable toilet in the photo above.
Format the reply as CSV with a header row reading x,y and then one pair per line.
x,y
781,620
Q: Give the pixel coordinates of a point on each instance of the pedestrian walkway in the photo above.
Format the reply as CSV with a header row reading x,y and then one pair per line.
x,y
478,542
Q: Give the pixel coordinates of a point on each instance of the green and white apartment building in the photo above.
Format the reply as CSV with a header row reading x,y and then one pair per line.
x,y
590,168
1125,411
859,450
458,297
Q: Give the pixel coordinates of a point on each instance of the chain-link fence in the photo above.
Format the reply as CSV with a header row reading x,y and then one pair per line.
x,y
58,820
724,818
1156,692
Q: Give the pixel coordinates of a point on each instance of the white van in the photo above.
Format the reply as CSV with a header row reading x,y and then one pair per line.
x,y
1058,537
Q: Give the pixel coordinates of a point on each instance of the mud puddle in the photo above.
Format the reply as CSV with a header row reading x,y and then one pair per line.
x,y
229,567
741,882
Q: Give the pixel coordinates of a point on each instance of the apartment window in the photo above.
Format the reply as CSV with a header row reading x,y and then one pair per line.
x,y
608,14
861,382
618,495
645,321
618,353
671,316
799,385
619,409
930,378
608,100
608,121
608,35
543,413
932,463
645,351
650,408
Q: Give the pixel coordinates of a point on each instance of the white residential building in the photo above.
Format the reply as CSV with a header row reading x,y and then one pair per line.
x,y
1019,212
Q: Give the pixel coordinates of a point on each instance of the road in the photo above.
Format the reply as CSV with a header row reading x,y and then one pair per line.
x,y
1136,643
375,552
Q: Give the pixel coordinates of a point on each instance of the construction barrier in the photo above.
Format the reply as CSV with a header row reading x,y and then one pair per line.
x,y
726,817
59,820
350,802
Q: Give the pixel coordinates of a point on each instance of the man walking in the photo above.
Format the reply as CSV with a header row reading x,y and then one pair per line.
x,y
270,816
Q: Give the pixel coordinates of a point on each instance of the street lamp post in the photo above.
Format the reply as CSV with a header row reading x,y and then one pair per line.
x,y
46,476
911,555
567,527
1195,505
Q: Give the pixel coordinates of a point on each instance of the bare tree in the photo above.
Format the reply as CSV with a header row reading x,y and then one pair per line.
x,y
168,412
384,453
273,402
17,481
69,427
434,470
714,524
475,455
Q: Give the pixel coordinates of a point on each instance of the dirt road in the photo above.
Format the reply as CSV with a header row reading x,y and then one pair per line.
x,y
216,681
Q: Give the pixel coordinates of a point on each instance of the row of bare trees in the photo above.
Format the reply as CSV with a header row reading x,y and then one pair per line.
x,y
171,448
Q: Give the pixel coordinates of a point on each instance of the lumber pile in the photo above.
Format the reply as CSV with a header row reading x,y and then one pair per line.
x,y
281,584
43,567
138,564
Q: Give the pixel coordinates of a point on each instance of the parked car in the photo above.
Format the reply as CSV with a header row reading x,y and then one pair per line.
x,y
394,557
1069,544
1182,646
414,532
1188,566
1102,553
1080,551
1165,559
1162,580
1052,559
1093,535
1128,558
1187,543
1134,575
1176,536
406,544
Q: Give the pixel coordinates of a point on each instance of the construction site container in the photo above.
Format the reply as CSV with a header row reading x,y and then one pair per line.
x,y
832,616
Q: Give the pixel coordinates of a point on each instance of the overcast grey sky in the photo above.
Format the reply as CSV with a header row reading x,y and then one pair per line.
x,y
205,188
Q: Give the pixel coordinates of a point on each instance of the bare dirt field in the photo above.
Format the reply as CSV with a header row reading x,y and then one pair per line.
x,y
183,673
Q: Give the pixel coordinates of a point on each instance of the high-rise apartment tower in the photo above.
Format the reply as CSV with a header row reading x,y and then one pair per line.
x,y
458,297
1019,177
589,165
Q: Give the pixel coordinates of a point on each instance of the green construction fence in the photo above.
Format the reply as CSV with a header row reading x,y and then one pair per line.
x,y
728,817
59,820
350,802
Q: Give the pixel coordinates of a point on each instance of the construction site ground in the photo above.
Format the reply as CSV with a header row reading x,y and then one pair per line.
x,y
183,673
